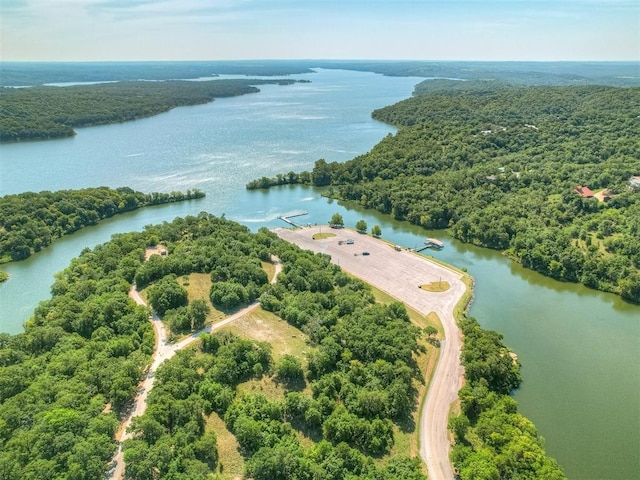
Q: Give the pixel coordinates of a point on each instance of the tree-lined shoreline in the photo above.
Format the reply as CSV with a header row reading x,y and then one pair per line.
x,y
505,168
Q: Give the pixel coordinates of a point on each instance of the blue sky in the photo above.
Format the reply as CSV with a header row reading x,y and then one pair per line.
x,y
77,30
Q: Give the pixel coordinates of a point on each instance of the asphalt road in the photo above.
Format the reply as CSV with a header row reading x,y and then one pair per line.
x,y
400,273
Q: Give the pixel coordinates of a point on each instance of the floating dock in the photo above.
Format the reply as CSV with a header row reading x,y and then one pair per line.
x,y
293,215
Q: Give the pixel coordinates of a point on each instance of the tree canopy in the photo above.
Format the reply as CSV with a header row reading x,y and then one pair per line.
x,y
360,376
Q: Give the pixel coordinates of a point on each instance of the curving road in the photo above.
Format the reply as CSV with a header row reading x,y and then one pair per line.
x,y
163,351
399,273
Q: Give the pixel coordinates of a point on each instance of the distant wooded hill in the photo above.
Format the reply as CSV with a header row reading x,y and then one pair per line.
x,y
18,74
516,73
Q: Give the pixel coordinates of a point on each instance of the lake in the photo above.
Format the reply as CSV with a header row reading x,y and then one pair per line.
x,y
580,349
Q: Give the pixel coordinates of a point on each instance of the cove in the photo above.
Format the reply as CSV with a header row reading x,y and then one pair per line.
x,y
580,348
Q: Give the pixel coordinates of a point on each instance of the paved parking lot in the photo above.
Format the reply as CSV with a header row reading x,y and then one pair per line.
x,y
400,274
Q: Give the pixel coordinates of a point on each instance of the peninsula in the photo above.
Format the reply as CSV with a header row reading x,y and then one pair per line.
x,y
31,221
47,112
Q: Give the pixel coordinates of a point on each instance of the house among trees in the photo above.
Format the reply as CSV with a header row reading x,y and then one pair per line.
x,y
635,181
584,192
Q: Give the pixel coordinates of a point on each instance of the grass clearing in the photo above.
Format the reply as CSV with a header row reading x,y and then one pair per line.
x,y
230,461
198,286
264,326
322,236
265,385
270,268
434,320
436,287
594,242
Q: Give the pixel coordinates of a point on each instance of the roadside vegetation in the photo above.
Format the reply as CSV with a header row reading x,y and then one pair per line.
x,y
41,113
500,167
31,221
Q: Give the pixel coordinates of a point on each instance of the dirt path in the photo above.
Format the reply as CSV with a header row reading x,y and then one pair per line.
x,y
400,273
163,351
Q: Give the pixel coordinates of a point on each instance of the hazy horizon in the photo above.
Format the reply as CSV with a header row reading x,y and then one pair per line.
x,y
320,60
225,30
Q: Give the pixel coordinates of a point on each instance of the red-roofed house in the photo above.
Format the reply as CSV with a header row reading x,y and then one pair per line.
x,y
585,192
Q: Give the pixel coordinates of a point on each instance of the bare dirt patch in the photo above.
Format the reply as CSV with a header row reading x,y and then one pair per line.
x,y
156,250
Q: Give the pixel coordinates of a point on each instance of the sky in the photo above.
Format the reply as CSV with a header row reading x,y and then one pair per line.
x,y
120,30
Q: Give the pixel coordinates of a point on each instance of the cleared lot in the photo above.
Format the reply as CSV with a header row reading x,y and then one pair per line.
x,y
400,274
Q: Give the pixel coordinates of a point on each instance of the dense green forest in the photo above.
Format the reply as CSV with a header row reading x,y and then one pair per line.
x,y
499,167
39,113
493,440
362,372
31,221
65,381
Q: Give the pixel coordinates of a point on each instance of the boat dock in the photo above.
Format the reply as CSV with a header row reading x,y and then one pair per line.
x,y
433,242
293,215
